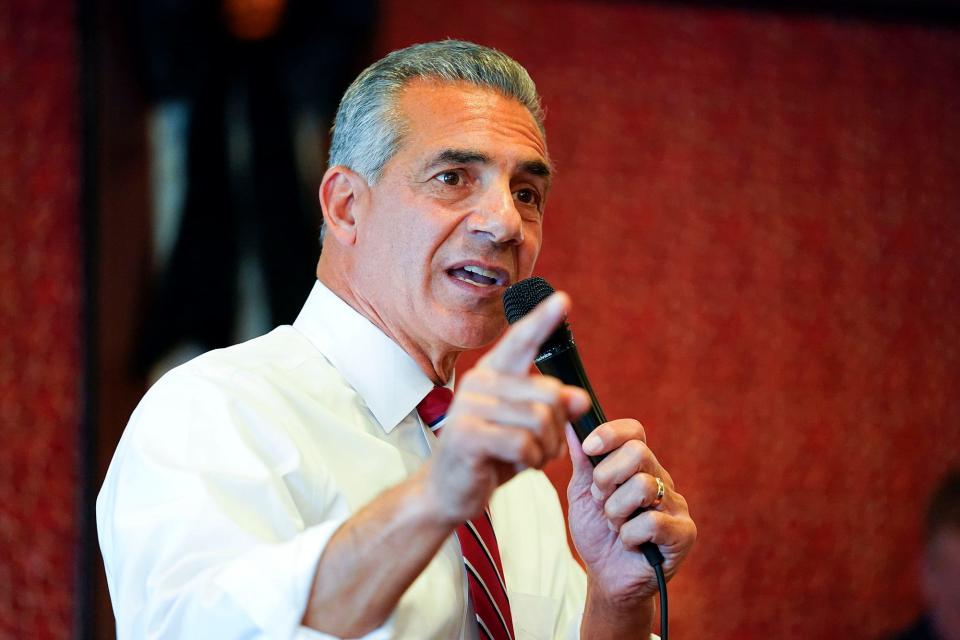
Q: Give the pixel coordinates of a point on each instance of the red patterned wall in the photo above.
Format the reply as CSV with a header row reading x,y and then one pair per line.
x,y
40,301
759,218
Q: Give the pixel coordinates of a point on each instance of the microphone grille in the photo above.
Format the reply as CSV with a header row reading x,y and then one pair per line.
x,y
520,299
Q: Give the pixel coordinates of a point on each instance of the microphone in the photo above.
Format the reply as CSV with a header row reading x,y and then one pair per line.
x,y
558,357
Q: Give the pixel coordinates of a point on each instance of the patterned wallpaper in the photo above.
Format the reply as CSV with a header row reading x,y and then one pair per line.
x,y
40,303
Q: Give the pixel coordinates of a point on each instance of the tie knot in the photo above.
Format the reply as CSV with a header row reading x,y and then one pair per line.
x,y
433,408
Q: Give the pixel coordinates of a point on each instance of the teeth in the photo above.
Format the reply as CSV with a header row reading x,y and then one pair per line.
x,y
468,281
483,272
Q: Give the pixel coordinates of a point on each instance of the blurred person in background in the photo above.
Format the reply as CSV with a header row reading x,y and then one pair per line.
x,y
241,93
940,566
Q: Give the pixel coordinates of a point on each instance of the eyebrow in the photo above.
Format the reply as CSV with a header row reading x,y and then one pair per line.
x,y
537,168
460,156
468,156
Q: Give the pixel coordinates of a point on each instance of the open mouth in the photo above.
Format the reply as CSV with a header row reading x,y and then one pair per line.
x,y
478,276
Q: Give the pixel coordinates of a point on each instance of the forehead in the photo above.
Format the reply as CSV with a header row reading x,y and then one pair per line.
x,y
440,115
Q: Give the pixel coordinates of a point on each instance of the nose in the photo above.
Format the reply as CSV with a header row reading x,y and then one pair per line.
x,y
496,216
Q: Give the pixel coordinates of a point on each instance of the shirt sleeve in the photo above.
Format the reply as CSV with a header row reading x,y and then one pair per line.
x,y
200,533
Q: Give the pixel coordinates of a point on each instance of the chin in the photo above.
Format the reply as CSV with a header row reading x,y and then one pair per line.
x,y
476,335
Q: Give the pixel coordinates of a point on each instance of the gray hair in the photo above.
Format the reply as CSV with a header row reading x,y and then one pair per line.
x,y
369,127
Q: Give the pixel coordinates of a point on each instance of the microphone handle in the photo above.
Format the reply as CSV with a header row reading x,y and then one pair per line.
x,y
563,362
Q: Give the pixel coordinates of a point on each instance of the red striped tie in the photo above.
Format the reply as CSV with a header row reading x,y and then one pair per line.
x,y
488,591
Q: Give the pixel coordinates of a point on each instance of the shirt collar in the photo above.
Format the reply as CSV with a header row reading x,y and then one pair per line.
x,y
386,377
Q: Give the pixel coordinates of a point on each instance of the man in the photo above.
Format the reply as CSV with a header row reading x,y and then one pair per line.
x,y
288,487
940,566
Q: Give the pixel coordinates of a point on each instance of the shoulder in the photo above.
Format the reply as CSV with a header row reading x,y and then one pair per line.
x,y
281,355
273,368
252,399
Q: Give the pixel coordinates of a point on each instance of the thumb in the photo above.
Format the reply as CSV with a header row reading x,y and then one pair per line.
x,y
582,476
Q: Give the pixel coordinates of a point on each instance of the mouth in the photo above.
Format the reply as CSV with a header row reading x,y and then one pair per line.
x,y
479,276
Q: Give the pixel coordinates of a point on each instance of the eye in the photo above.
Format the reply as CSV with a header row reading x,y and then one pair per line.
x,y
450,178
528,196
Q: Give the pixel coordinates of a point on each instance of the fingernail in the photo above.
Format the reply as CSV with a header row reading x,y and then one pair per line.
x,y
592,444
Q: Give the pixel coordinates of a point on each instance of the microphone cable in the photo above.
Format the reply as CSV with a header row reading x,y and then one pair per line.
x,y
662,586
652,553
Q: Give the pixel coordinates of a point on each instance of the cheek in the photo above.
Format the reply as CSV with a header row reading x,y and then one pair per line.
x,y
532,239
412,244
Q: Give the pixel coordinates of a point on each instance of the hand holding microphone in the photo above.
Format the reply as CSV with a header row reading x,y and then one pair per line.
x,y
627,501
558,357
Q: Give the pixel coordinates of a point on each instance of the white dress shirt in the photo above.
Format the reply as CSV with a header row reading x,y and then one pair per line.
x,y
237,468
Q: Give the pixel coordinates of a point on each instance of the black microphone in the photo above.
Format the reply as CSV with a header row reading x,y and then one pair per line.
x,y
558,357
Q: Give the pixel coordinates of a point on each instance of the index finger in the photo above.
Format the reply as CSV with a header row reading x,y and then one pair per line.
x,y
520,344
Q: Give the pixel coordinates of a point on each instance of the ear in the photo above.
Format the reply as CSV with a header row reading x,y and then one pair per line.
x,y
344,195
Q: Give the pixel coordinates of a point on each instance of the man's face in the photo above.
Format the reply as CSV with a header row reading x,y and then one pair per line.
x,y
455,217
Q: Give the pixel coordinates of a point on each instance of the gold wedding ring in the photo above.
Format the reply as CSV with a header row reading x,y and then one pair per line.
x,y
660,490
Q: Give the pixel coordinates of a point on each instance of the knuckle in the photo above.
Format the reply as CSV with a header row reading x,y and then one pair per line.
x,y
482,377
636,486
611,508
549,386
522,443
601,477
543,417
637,530
649,524
474,462
466,398
692,533
661,521
680,501
458,434
528,451
637,428
638,448
480,404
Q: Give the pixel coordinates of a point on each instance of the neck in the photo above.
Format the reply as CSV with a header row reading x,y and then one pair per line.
x,y
436,361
